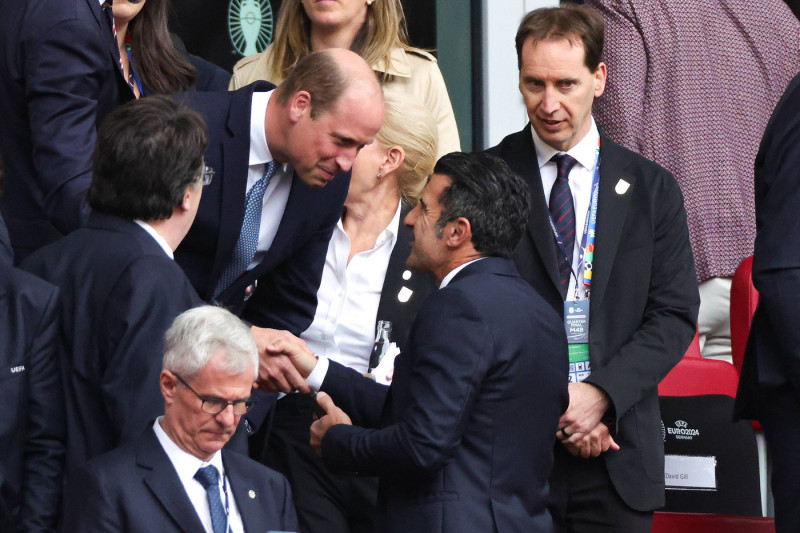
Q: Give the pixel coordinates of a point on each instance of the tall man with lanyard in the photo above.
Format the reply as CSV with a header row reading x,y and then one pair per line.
x,y
630,305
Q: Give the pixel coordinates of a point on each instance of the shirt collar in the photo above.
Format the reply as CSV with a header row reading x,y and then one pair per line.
x,y
450,275
185,463
585,152
157,236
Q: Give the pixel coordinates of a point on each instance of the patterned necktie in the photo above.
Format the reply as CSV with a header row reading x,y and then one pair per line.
x,y
109,13
209,479
562,212
248,237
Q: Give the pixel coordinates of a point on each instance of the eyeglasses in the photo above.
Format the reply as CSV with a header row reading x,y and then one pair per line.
x,y
208,174
215,406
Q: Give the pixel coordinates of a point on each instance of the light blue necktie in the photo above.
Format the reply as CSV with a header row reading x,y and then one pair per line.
x,y
209,479
248,237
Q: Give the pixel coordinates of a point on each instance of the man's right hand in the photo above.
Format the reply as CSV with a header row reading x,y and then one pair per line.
x,y
280,353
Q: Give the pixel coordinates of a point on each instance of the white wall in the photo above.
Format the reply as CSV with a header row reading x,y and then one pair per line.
x,y
503,111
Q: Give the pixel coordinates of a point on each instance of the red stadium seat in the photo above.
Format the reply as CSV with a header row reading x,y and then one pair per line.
x,y
711,523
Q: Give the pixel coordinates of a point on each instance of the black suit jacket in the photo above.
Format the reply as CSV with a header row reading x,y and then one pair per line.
x,y
135,489
644,299
59,77
120,292
451,452
287,279
32,426
772,357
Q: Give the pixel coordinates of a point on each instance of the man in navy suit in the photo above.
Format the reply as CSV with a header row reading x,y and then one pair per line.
x,y
617,263
32,427
174,477
276,148
59,77
120,287
769,389
462,440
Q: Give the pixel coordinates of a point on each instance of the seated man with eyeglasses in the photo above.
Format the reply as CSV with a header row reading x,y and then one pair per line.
x,y
120,287
175,476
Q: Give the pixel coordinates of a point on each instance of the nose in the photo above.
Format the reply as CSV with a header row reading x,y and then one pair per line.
x,y
345,158
551,101
411,216
226,416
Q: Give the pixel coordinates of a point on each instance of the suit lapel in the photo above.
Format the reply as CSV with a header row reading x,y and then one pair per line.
x,y
521,156
108,35
248,500
235,162
162,480
612,210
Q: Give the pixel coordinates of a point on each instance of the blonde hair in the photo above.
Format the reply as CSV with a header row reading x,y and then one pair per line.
x,y
411,126
384,29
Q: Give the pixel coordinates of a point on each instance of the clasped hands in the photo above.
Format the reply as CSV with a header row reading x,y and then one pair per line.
x,y
579,428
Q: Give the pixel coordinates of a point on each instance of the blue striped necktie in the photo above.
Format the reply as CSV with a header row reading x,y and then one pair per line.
x,y
248,237
562,212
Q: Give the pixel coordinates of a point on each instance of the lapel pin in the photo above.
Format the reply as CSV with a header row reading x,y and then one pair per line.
x,y
252,494
404,295
407,275
622,187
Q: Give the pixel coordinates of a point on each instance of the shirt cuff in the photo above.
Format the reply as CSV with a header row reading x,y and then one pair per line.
x,y
317,376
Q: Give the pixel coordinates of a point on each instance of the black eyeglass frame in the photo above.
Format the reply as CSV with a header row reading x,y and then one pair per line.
x,y
217,401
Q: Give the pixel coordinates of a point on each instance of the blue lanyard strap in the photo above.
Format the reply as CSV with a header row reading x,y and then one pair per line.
x,y
586,256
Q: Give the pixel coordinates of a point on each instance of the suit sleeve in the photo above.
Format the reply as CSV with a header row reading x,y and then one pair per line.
x,y
89,504
362,399
143,303
776,262
45,429
62,79
451,350
619,112
668,323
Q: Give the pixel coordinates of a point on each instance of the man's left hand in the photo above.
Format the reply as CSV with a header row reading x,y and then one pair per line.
x,y
333,415
587,405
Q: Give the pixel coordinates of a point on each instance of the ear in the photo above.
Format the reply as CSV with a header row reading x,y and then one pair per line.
x,y
299,104
600,76
167,381
458,232
392,159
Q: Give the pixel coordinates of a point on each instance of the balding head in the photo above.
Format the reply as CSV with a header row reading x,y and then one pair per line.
x,y
328,108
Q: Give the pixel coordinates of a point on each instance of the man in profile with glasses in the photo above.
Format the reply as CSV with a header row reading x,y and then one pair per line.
x,y
120,287
174,476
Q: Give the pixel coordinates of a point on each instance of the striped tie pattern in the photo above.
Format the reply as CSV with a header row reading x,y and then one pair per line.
x,y
562,212
208,477
248,237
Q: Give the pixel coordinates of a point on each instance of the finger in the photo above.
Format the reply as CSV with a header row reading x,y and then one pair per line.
x,y
326,402
613,444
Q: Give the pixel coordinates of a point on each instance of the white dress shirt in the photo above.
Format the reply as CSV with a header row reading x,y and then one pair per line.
x,y
277,194
580,183
186,465
157,236
348,298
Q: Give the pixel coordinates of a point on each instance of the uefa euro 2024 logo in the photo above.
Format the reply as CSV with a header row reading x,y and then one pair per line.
x,y
250,25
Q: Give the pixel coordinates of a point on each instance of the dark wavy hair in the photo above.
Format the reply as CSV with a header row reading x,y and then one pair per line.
x,y
148,152
485,191
158,63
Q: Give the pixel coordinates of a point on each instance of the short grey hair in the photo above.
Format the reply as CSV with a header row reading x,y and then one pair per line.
x,y
197,335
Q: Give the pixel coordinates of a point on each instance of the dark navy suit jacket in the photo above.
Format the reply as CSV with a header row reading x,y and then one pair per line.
x,y
644,299
451,451
32,425
772,358
59,77
119,294
135,489
285,283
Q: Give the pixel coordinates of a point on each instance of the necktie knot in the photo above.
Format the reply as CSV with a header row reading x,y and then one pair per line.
x,y
207,476
564,164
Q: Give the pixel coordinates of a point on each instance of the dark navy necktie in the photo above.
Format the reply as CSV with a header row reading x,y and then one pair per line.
x,y
251,225
209,479
562,212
